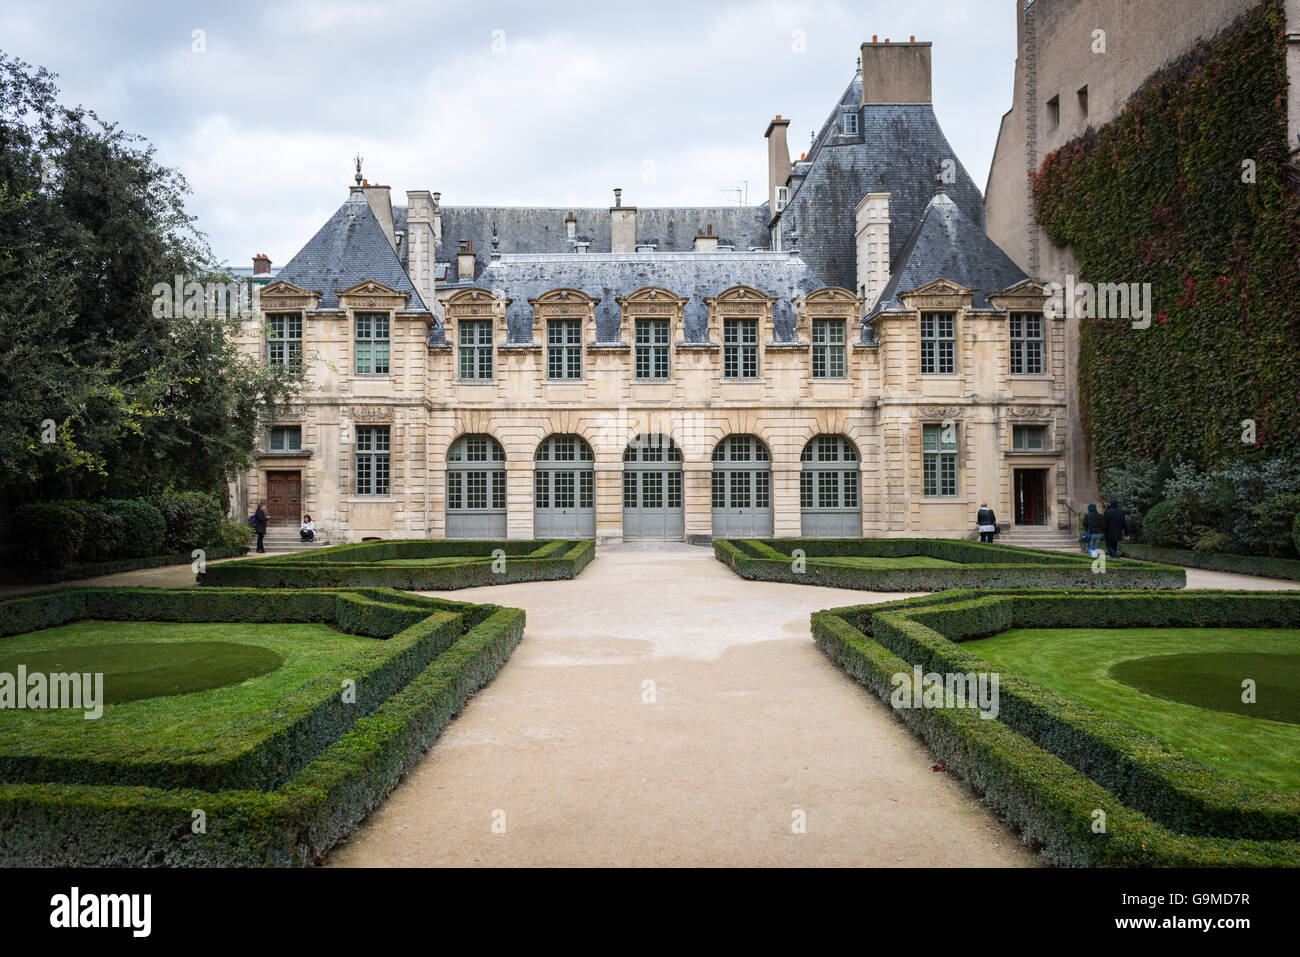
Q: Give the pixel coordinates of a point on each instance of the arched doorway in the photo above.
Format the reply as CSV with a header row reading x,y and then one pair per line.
x,y
476,488
830,501
742,488
564,489
652,489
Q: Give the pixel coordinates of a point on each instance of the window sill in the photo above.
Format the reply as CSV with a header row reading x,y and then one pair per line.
x,y
296,454
475,381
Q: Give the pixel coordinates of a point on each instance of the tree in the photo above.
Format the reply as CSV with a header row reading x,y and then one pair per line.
x,y
100,393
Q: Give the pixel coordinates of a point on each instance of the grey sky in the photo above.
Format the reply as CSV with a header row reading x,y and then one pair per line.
x,y
668,100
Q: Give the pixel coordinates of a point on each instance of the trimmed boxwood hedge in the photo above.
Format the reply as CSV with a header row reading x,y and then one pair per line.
x,y
1046,763
98,569
1261,565
398,716
357,565
981,566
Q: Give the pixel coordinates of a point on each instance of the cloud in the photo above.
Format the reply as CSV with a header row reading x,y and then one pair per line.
x,y
507,104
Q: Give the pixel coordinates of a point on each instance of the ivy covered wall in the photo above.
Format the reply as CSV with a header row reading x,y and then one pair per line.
x,y
1164,195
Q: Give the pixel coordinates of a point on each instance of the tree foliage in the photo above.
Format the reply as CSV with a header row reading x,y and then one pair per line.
x,y
134,402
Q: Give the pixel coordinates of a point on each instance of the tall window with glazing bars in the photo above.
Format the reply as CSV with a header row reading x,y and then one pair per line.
x,y
372,460
564,349
652,349
740,348
828,349
284,338
938,343
939,460
371,344
1026,343
476,349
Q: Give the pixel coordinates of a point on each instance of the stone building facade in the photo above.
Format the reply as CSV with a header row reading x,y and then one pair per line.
x,y
853,357
1078,63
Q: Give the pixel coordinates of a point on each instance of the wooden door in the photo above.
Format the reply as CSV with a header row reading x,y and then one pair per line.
x,y
284,498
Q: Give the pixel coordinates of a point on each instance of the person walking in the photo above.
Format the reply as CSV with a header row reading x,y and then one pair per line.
x,y
307,531
987,523
259,525
1114,527
1094,524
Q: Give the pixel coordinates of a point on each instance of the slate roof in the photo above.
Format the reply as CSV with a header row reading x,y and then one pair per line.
x,y
898,149
607,276
540,229
946,244
349,248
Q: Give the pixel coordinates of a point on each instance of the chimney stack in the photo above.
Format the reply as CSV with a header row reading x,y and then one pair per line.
x,y
421,243
778,160
261,265
465,260
895,72
571,226
382,207
706,242
622,225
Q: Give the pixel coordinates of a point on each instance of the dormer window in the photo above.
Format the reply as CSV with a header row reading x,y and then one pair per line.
x,y
782,197
849,124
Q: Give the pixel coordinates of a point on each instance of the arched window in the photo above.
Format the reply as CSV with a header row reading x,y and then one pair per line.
x,y
742,488
564,489
830,501
652,489
476,488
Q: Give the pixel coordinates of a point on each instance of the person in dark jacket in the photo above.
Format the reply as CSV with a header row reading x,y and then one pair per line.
x,y
1094,525
988,524
1114,527
259,525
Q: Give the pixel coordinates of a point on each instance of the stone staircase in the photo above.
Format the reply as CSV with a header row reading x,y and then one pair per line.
x,y
1047,537
284,538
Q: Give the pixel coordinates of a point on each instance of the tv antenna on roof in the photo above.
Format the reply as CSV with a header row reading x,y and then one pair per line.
x,y
741,191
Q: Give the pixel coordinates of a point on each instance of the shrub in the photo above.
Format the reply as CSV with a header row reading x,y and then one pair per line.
x,y
1211,540
140,527
193,519
1136,486
234,535
1274,523
47,535
1295,533
99,541
1173,523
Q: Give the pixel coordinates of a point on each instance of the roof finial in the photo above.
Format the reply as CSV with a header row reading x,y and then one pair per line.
x,y
859,65
357,159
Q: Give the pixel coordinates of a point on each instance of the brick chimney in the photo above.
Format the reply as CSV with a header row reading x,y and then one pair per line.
x,y
465,259
261,265
778,160
895,72
622,225
706,242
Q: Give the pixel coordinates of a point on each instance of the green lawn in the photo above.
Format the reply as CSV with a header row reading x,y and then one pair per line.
x,y
902,561
1180,685
213,724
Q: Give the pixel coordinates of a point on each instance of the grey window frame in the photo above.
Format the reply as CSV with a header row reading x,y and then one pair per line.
x,y
939,465
372,343
372,461
285,431
476,356
651,337
739,348
938,343
282,347
1028,351
1018,431
564,355
829,353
